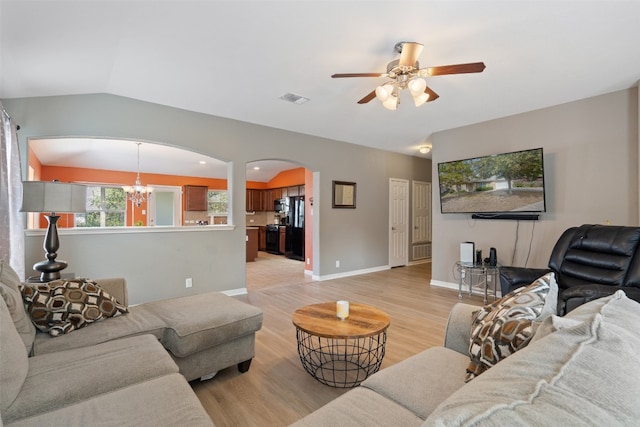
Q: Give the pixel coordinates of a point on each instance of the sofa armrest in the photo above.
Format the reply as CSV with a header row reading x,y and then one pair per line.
x,y
515,277
458,330
117,288
572,297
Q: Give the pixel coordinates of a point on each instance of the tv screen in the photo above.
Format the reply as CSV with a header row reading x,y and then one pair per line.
x,y
507,182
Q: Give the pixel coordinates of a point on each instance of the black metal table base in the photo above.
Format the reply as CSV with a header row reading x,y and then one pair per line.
x,y
341,363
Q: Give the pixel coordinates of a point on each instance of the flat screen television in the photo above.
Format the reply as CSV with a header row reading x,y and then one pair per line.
x,y
498,184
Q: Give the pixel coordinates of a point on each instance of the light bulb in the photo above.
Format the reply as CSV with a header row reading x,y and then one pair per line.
x,y
391,103
417,86
385,91
420,99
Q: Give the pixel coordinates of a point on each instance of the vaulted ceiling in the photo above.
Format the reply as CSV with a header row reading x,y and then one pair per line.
x,y
235,59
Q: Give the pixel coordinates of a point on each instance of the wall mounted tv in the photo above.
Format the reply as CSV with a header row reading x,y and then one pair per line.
x,y
501,186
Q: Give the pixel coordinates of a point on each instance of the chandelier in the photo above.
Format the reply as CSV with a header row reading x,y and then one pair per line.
x,y
137,193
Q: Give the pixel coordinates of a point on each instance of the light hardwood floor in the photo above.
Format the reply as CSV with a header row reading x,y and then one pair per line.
x,y
276,391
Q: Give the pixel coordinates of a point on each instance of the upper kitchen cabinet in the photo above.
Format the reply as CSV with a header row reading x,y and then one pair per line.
x,y
195,197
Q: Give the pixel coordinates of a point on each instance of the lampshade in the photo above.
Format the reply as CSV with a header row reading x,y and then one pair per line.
x,y
44,196
391,103
384,92
417,86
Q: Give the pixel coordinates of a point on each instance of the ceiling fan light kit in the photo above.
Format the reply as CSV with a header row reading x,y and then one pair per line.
x,y
405,73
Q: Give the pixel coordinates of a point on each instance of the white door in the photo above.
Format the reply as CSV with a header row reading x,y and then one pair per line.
x,y
165,206
421,202
398,222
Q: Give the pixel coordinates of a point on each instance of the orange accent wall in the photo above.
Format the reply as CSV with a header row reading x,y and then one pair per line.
x,y
288,178
35,164
100,176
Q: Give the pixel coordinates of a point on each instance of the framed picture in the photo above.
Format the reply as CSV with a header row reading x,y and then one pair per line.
x,y
344,195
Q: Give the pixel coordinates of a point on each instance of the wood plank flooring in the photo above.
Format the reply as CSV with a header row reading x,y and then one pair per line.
x,y
276,391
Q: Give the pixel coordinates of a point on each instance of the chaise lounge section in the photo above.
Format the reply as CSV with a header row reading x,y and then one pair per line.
x,y
131,369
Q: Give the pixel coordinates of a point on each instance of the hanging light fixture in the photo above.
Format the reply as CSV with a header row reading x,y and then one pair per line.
x,y
388,92
137,193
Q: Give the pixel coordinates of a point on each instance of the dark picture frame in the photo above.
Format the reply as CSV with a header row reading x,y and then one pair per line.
x,y
343,195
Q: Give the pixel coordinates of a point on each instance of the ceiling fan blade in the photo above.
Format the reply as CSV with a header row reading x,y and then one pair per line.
x,y
432,95
410,53
336,76
368,98
473,67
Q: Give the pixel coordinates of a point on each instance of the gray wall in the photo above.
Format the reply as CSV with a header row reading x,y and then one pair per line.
x,y
591,175
156,265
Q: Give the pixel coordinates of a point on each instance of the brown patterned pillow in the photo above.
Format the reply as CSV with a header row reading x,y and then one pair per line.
x,y
507,325
61,306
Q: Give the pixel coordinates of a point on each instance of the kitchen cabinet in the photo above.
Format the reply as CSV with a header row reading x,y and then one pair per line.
x,y
252,243
283,238
195,197
293,191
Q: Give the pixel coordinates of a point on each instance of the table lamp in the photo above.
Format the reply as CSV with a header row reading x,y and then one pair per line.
x,y
43,196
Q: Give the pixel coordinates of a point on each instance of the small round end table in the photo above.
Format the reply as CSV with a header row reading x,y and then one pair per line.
x,y
341,353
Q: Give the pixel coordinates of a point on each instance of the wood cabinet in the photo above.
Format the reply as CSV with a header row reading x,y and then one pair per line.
x,y
195,197
262,200
252,243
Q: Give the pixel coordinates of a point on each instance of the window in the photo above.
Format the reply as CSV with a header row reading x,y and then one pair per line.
x,y
106,207
218,205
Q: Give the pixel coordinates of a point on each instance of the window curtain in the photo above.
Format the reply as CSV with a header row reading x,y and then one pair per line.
x,y
11,220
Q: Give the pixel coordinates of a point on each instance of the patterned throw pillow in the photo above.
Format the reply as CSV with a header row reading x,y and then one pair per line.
x,y
507,325
61,306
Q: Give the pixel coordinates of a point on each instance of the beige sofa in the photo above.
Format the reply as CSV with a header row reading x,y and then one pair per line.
x,y
581,369
127,370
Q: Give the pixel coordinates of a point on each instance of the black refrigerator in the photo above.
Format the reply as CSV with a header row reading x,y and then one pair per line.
x,y
294,243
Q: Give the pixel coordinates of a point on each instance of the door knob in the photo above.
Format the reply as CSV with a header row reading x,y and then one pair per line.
x,y
393,229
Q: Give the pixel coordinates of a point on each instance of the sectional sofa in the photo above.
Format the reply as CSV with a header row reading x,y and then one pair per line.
x,y
129,369
578,370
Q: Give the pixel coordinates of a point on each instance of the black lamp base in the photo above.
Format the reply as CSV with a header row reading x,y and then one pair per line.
x,y
50,268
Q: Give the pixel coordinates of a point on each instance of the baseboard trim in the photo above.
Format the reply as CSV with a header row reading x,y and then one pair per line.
x,y
351,273
234,292
441,284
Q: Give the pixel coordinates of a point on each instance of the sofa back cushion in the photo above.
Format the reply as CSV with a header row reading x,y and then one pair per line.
x,y
583,373
597,254
14,363
9,290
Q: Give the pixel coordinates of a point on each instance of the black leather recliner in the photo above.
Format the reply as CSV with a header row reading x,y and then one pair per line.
x,y
590,261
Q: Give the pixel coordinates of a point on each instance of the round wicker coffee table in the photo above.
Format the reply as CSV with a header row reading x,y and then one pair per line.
x,y
341,353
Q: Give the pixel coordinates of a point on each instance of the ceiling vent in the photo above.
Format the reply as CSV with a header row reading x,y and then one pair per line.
x,y
292,97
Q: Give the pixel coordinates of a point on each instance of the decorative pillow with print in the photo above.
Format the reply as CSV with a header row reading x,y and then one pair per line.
x,y
61,306
508,324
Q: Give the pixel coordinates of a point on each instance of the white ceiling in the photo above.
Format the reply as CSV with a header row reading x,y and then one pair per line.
x,y
236,58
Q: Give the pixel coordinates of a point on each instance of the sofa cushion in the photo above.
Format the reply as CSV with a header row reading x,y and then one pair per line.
x,y
158,402
137,322
61,306
581,375
360,407
10,291
66,377
505,326
411,382
198,322
13,360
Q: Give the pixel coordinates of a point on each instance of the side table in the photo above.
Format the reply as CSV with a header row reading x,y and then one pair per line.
x,y
481,277
341,353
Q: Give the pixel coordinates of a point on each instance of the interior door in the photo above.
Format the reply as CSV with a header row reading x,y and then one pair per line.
x,y
398,222
165,207
421,202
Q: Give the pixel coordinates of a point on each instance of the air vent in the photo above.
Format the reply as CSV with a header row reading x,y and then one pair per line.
x,y
292,97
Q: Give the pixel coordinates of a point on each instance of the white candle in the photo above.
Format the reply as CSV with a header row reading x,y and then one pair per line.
x,y
342,309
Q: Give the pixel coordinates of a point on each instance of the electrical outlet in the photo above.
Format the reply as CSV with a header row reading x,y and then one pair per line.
x,y
337,263
308,261
188,282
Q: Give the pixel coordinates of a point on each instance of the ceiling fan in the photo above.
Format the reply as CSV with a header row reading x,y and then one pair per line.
x,y
405,73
